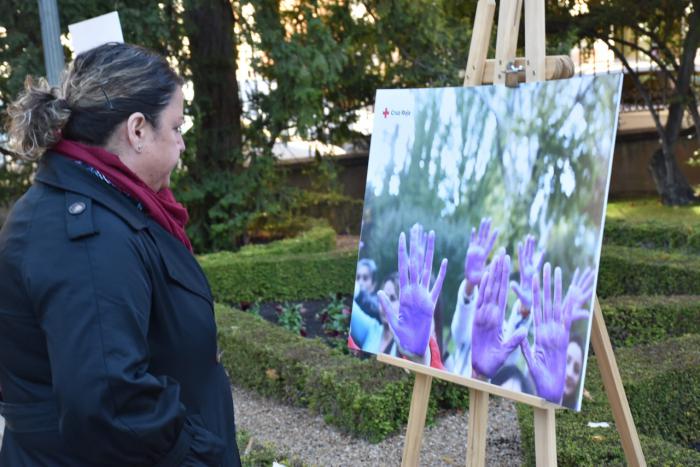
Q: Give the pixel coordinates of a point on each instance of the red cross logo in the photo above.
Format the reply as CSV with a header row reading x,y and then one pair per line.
x,y
386,112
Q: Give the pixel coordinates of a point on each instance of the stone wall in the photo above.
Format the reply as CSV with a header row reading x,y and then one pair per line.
x,y
630,173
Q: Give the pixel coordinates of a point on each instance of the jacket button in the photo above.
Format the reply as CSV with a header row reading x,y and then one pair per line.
x,y
76,208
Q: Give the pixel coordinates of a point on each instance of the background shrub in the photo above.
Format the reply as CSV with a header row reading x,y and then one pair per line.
x,y
277,278
640,271
646,319
652,234
318,239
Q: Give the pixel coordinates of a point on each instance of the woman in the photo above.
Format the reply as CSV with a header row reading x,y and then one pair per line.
x,y
107,335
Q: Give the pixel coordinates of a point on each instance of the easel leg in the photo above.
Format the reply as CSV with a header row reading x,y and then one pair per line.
x,y
545,438
478,422
600,340
416,420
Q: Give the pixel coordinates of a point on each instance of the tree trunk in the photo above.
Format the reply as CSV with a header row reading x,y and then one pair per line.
x,y
670,181
209,25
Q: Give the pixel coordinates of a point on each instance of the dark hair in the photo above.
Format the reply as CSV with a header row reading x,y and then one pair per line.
x,y
578,339
99,90
394,279
511,371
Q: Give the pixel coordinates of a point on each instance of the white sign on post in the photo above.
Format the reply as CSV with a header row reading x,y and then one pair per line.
x,y
94,32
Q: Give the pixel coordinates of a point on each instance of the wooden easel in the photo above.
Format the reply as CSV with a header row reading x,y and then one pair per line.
x,y
506,68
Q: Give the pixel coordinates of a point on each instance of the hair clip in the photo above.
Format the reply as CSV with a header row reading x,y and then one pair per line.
x,y
109,102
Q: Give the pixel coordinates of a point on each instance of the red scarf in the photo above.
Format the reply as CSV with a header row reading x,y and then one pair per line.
x,y
161,206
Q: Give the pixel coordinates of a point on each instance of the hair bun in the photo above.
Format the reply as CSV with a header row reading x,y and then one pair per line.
x,y
36,118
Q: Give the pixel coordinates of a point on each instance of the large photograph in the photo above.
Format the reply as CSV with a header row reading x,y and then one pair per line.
x,y
482,230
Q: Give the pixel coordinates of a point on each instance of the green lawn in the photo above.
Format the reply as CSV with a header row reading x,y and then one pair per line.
x,y
651,210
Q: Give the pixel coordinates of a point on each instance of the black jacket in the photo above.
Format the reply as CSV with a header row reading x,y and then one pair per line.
x,y
108,350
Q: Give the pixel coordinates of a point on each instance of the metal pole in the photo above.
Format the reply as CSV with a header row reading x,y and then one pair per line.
x,y
51,39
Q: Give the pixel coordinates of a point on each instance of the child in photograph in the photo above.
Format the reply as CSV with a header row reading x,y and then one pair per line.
x,y
553,316
574,370
529,265
366,328
411,319
493,340
390,287
478,250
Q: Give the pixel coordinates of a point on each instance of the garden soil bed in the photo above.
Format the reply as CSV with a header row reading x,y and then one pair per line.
x,y
311,314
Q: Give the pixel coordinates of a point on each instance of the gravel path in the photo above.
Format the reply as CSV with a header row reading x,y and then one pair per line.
x,y
298,432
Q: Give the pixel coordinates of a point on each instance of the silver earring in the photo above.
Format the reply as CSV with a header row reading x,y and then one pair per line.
x,y
139,148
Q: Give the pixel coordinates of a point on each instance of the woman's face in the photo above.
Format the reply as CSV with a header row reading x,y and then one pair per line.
x,y
574,366
163,145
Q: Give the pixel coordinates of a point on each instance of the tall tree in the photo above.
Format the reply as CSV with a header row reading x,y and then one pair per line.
x,y
665,33
210,59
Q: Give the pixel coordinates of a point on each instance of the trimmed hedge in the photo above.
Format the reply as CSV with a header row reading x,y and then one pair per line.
x,y
318,239
639,271
633,320
662,383
235,278
266,276
306,268
363,397
652,234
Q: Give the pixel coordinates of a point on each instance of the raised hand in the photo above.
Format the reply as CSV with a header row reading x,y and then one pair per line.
x,y
553,319
490,347
480,246
411,323
579,293
529,264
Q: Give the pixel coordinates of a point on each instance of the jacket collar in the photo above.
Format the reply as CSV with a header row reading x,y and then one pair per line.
x,y
60,172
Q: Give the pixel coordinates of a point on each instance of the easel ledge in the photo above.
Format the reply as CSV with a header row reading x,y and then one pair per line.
x,y
419,368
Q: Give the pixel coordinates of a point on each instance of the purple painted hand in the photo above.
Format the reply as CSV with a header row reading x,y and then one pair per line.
x,y
529,264
579,293
480,246
411,323
490,347
548,362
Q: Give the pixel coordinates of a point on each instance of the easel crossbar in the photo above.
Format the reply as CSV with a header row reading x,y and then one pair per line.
x,y
477,385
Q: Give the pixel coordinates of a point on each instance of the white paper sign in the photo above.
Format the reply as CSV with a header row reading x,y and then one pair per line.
x,y
94,32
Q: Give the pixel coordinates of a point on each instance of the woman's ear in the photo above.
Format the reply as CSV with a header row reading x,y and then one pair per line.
x,y
136,130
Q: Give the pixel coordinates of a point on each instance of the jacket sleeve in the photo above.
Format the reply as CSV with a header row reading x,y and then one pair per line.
x,y
461,330
369,303
365,330
93,301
